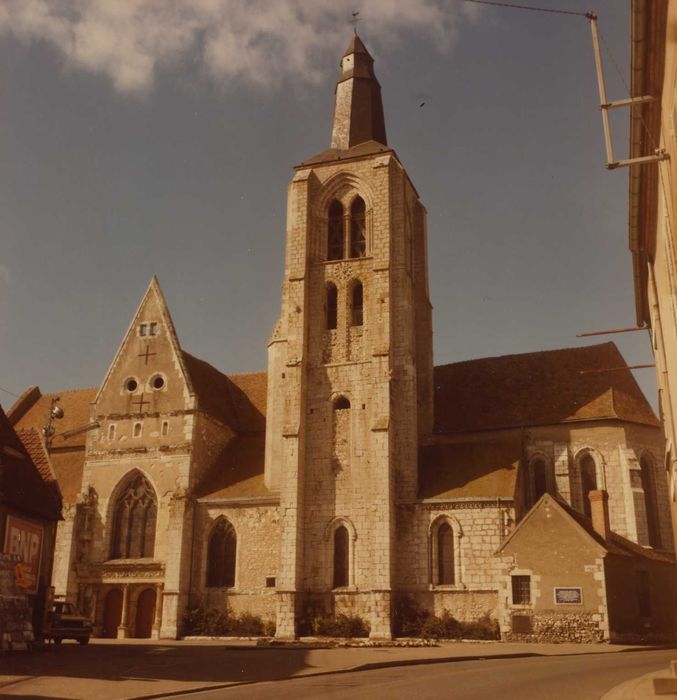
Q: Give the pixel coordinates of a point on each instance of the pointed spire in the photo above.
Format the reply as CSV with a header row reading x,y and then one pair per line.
x,y
358,110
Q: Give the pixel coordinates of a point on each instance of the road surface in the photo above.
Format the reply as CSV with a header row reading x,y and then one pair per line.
x,y
553,678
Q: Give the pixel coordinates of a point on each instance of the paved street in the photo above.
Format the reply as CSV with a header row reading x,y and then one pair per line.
x,y
116,669
585,677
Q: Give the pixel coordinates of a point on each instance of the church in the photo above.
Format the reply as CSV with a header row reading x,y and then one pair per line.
x,y
353,470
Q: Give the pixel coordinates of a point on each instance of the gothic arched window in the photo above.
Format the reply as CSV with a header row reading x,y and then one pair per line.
x,y
335,233
588,481
650,501
358,238
221,552
134,520
357,305
332,306
341,557
445,554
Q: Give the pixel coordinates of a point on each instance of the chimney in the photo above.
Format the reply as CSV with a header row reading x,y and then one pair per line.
x,y
599,510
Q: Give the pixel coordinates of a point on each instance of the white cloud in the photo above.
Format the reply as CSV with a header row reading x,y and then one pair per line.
x,y
254,41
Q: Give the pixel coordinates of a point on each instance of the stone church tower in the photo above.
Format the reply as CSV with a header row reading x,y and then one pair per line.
x,y
350,365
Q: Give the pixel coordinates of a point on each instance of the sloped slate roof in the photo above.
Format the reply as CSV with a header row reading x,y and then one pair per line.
x,y
470,470
21,483
539,388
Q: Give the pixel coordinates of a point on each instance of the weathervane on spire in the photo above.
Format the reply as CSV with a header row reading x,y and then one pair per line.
x,y
355,19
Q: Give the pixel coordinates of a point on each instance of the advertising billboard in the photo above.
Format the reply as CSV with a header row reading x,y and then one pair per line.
x,y
24,539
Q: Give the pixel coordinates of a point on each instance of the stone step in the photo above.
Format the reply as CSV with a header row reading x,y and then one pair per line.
x,y
664,686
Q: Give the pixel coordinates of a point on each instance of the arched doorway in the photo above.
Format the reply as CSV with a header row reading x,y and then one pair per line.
x,y
145,614
112,613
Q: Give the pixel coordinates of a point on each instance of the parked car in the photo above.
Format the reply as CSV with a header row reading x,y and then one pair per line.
x,y
66,622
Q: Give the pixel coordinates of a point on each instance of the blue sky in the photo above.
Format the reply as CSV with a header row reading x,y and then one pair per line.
x,y
145,137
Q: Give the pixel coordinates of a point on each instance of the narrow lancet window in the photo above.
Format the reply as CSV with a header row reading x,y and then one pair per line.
x,y
588,481
221,552
332,306
650,502
358,238
341,558
445,554
357,306
335,233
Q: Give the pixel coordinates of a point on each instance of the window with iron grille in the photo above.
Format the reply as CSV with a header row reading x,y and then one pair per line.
x,y
521,590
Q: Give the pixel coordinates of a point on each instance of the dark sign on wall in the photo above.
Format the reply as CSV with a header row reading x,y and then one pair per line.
x,y
571,595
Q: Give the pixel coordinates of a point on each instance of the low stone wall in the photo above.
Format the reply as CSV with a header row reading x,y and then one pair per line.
x,y
464,605
263,605
554,627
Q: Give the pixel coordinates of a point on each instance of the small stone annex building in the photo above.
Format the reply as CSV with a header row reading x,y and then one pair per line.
x,y
30,508
353,470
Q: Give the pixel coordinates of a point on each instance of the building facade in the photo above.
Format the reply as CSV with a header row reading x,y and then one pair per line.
x,y
653,230
353,471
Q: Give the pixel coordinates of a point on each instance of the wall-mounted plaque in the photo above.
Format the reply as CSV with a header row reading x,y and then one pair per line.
x,y
571,595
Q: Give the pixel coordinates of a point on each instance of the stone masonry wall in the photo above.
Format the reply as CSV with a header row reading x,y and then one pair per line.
x,y
258,534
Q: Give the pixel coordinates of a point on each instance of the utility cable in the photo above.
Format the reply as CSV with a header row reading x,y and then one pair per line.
x,y
528,7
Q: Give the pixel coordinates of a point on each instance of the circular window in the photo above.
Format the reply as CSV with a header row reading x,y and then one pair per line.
x,y
157,382
131,384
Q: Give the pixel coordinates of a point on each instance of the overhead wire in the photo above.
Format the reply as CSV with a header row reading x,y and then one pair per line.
x,y
649,135
515,6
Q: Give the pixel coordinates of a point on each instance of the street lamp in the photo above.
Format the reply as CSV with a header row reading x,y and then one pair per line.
x,y
55,413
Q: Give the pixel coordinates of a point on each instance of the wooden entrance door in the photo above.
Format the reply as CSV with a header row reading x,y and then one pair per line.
x,y
145,614
112,613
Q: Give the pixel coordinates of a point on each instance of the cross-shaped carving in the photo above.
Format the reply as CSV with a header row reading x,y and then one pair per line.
x,y
146,354
140,403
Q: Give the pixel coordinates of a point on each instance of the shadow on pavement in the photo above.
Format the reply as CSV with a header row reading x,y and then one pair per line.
x,y
188,662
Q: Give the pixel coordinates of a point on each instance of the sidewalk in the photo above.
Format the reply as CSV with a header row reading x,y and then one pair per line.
x,y
142,668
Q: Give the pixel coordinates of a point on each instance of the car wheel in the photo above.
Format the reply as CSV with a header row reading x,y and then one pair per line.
x,y
83,640
58,640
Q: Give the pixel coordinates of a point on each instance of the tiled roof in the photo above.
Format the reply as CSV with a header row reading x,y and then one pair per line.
x,y
36,449
539,388
614,544
238,472
237,400
76,406
469,470
366,148
21,483
68,466
212,390
250,394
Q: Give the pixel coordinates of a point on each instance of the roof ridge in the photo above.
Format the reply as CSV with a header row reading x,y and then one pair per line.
x,y
535,352
70,391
